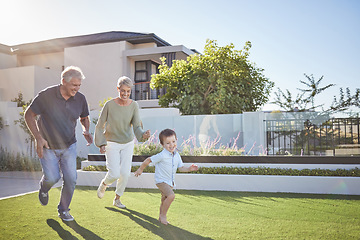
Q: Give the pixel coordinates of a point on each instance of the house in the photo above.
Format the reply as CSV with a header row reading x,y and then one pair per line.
x,y
103,57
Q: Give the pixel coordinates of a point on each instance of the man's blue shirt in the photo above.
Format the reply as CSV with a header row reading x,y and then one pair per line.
x,y
58,117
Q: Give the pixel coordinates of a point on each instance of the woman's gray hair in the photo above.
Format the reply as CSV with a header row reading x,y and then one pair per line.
x,y
125,81
72,72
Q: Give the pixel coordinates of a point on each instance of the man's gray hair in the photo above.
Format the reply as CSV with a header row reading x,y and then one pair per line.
x,y
72,72
125,81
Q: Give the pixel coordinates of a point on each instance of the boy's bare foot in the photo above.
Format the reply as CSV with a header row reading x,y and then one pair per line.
x,y
163,220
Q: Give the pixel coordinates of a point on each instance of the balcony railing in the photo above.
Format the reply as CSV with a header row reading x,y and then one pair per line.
x,y
144,92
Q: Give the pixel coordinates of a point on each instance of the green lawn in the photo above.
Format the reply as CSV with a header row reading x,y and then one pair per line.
x,y
193,215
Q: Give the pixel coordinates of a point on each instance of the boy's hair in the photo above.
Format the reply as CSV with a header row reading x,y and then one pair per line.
x,y
166,133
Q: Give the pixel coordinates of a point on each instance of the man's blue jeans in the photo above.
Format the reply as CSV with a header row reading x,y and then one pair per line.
x,y
52,162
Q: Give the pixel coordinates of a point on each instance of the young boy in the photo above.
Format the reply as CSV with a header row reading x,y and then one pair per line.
x,y
166,164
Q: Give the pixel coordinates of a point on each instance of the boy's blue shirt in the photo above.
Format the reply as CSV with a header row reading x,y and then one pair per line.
x,y
166,165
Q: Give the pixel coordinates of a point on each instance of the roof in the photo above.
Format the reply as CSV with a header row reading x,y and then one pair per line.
x,y
4,49
58,44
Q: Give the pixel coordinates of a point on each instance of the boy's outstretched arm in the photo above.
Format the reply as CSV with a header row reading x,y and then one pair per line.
x,y
144,164
191,168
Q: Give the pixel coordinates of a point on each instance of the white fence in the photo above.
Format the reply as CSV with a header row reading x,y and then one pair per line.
x,y
245,130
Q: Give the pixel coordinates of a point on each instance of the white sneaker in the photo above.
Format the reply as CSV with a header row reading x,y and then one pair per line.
x,y
101,190
118,204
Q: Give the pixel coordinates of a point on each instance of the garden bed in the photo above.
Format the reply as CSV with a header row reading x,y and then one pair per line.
x,y
245,183
293,162
253,159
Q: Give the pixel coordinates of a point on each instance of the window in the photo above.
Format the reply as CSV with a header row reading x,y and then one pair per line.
x,y
143,72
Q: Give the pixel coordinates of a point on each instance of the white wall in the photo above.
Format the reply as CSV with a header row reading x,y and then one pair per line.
x,y
254,132
15,80
53,61
27,80
45,78
102,65
12,137
7,61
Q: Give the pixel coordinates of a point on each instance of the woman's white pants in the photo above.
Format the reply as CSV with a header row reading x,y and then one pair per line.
x,y
118,163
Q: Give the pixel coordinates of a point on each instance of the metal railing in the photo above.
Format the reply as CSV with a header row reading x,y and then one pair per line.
x,y
311,137
144,92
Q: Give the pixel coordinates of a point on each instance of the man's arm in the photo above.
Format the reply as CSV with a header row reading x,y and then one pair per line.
x,y
85,122
40,142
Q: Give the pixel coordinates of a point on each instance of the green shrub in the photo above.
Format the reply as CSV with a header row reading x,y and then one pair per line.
x,y
18,162
147,148
254,171
149,169
279,171
21,162
1,123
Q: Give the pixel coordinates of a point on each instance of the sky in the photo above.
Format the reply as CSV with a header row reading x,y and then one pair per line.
x,y
289,38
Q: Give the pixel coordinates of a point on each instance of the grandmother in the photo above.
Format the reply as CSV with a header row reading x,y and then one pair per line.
x,y
114,134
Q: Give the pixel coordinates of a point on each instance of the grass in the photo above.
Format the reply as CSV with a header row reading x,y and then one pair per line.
x,y
193,215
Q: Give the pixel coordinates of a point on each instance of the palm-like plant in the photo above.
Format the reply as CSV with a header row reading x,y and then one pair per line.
x,y
305,100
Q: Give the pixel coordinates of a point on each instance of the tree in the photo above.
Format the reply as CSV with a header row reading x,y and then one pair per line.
x,y
344,103
305,100
21,103
20,100
221,81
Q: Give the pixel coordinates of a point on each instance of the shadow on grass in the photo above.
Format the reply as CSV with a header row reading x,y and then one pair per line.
x,y
235,196
153,225
230,195
64,234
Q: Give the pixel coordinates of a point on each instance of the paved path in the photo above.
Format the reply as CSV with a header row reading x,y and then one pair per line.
x,y
19,183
